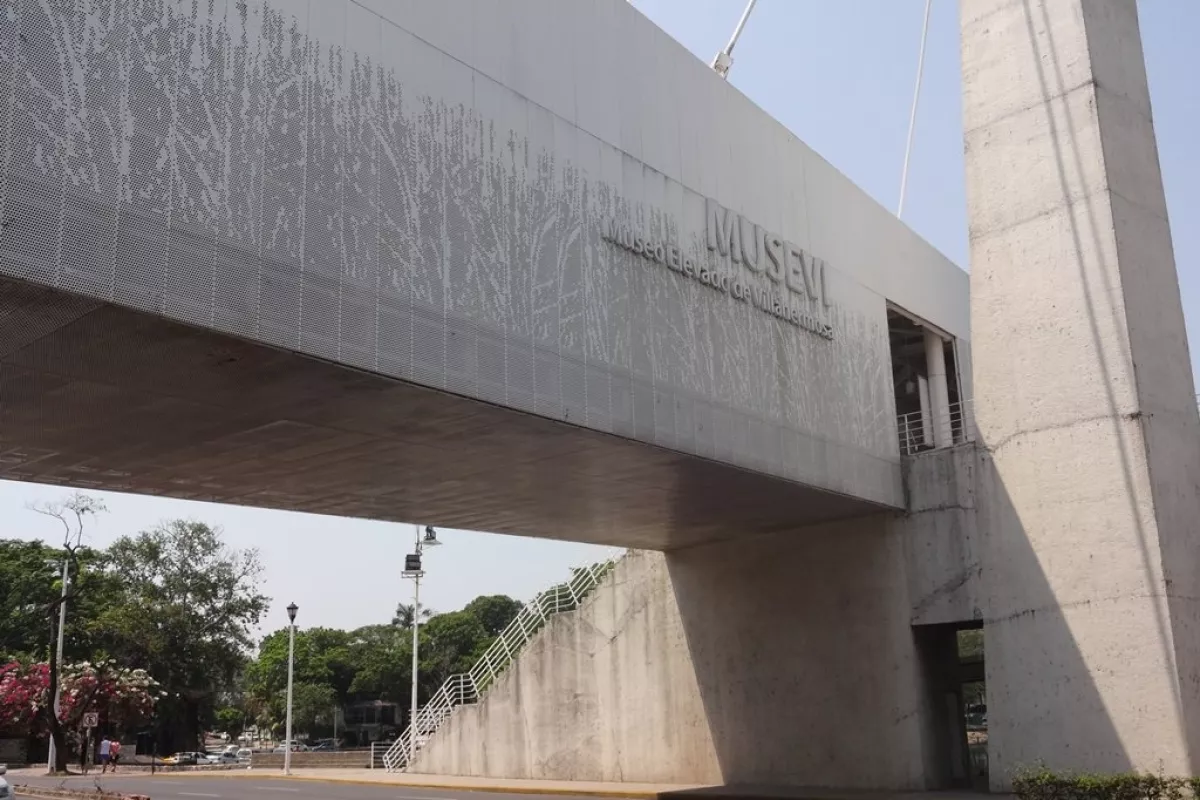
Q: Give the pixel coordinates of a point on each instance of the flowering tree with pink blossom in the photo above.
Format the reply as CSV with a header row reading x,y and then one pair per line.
x,y
71,514
122,697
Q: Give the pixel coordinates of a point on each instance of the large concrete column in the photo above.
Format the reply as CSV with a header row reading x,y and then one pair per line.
x,y
1084,396
939,395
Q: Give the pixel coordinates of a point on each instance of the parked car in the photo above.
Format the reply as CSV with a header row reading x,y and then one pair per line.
x,y
180,760
223,757
296,747
6,792
244,754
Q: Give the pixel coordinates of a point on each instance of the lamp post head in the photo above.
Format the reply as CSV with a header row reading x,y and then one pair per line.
x,y
292,609
430,539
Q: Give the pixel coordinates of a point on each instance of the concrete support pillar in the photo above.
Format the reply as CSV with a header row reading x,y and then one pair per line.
x,y
939,395
1083,392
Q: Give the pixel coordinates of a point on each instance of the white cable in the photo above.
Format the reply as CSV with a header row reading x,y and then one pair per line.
x,y
912,120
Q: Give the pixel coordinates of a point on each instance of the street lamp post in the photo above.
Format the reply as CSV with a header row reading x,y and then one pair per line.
x,y
287,742
412,569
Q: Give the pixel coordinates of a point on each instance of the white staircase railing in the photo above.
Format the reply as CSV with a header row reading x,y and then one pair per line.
x,y
468,687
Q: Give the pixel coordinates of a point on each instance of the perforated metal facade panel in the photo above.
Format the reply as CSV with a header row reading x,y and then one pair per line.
x,y
316,177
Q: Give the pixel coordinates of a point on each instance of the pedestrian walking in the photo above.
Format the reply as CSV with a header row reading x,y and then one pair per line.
x,y
105,752
114,753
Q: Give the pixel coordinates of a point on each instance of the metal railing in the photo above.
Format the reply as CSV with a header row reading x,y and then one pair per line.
x,y
919,433
468,687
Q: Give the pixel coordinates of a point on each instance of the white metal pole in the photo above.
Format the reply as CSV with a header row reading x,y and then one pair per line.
x,y
737,32
287,743
62,626
412,725
724,59
912,119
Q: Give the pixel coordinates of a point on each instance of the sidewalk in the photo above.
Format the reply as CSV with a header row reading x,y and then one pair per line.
x,y
641,791
638,791
379,777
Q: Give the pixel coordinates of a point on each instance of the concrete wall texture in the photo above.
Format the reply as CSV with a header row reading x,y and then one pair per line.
x,y
1084,397
788,659
941,535
604,693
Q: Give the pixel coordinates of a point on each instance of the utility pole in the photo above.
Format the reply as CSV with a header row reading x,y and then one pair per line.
x,y
62,623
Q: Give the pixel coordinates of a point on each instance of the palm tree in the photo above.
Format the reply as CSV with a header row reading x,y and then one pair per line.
x,y
404,615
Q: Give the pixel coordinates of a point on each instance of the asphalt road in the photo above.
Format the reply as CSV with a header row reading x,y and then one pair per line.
x,y
196,787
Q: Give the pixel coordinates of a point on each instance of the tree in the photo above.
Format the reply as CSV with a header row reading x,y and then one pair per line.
x,y
382,659
313,704
323,666
494,611
71,514
22,694
27,590
323,658
404,616
122,697
31,584
450,643
185,611
229,720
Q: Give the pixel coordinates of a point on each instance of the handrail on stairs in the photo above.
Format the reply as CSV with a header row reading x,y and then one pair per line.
x,y
468,687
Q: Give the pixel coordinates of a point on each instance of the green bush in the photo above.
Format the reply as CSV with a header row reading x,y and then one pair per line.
x,y
1043,784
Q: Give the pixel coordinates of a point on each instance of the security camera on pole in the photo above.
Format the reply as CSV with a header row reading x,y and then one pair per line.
x,y
412,569
287,740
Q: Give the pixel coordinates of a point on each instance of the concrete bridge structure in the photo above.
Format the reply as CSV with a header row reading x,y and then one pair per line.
x,y
353,258
456,262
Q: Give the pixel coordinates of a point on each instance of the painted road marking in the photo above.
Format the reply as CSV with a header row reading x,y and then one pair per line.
x,y
276,789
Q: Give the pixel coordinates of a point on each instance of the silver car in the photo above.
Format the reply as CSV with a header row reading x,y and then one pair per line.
x,y
224,757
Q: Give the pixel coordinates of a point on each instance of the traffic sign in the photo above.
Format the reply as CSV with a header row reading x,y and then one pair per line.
x,y
91,719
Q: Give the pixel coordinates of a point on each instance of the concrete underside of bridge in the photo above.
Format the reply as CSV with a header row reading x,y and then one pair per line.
x,y
97,396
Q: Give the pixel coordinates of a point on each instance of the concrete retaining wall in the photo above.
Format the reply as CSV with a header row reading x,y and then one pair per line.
x,y
784,659
605,693
354,758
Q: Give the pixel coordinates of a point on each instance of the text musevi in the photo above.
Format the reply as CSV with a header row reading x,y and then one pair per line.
x,y
760,252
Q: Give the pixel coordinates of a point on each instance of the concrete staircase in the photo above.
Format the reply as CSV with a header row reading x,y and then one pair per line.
x,y
468,687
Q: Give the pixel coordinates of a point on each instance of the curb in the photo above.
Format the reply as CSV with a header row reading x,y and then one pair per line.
x,y
55,793
490,788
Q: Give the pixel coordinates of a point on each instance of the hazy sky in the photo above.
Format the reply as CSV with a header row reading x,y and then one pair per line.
x,y
838,74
